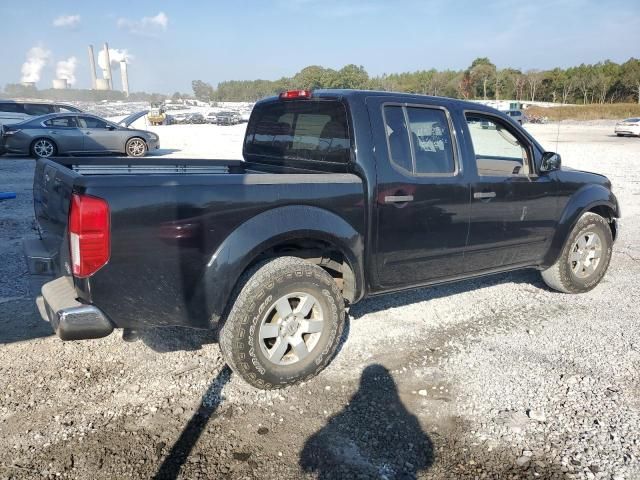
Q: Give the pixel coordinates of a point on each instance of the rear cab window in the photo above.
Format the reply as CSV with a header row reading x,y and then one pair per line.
x,y
299,131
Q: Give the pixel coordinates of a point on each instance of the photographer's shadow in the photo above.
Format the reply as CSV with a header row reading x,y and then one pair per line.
x,y
374,436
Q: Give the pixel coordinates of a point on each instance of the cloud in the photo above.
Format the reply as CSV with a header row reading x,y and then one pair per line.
x,y
37,58
67,69
67,21
146,26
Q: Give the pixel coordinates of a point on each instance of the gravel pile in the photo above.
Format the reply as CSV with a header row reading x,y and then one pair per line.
x,y
490,378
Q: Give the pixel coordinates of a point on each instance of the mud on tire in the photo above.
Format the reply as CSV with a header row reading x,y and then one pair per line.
x,y
561,276
243,341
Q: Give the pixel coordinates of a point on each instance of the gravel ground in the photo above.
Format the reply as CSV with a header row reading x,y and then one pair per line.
x,y
490,378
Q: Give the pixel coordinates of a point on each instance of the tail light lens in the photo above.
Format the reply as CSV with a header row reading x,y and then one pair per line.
x,y
89,234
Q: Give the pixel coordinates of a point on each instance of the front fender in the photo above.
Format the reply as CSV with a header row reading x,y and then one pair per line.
x,y
267,230
582,201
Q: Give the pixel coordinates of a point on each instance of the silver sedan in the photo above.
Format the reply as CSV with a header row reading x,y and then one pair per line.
x,y
70,133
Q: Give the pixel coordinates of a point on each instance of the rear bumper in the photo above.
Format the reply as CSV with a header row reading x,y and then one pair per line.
x,y
56,299
70,319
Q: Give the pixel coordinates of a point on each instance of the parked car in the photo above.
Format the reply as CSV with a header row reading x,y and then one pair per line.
x,y
178,118
70,133
196,119
211,118
227,118
336,201
516,115
12,111
630,126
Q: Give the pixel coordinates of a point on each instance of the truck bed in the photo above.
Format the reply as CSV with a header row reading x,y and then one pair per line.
x,y
172,220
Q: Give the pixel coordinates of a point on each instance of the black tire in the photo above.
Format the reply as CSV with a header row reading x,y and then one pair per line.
x,y
257,295
39,144
561,276
136,147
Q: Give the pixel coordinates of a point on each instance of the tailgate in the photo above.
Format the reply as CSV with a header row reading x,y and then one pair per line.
x,y
52,187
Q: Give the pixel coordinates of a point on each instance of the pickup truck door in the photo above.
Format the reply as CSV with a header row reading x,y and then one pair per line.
x,y
422,198
513,212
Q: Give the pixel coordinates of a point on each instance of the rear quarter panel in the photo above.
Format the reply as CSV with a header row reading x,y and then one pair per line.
x,y
167,231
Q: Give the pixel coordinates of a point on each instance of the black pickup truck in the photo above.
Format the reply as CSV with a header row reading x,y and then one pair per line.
x,y
341,195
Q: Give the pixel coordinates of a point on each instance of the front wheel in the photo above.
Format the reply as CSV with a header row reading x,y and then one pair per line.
x,y
136,147
285,324
585,257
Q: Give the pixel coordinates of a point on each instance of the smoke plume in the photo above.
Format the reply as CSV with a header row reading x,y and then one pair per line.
x,y
37,58
67,69
115,55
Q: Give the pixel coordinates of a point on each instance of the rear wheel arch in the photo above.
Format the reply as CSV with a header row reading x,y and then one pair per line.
x,y
43,137
311,233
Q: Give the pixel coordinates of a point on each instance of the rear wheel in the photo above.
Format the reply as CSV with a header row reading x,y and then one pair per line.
x,y
285,324
585,257
136,147
43,148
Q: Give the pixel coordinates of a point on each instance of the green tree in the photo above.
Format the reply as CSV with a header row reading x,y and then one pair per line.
x,y
481,73
630,73
202,90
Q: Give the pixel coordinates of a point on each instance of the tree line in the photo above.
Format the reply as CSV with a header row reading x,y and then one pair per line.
x,y
603,82
18,90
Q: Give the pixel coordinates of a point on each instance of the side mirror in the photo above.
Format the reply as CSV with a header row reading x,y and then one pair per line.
x,y
550,162
111,127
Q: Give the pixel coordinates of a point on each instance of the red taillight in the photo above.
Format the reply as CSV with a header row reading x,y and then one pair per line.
x,y
89,234
291,94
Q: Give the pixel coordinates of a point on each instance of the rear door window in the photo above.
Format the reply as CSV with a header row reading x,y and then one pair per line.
x,y
91,122
34,109
419,140
11,107
314,131
64,122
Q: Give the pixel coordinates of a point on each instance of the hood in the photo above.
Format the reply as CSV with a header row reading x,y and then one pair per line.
x,y
126,121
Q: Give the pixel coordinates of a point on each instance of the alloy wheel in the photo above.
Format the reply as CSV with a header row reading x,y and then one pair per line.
x,y
291,328
585,254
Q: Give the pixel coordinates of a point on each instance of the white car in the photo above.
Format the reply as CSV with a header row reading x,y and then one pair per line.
x,y
630,126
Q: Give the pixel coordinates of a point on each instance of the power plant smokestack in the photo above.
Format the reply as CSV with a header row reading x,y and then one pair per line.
x,y
107,71
60,83
92,63
125,78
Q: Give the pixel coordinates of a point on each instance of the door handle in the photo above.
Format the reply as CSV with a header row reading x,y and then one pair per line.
x,y
398,198
88,133
53,132
484,195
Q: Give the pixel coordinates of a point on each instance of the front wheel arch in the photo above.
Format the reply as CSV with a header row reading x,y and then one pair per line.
x,y
131,139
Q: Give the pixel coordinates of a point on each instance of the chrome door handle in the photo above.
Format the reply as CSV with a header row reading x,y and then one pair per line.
x,y
484,195
398,198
